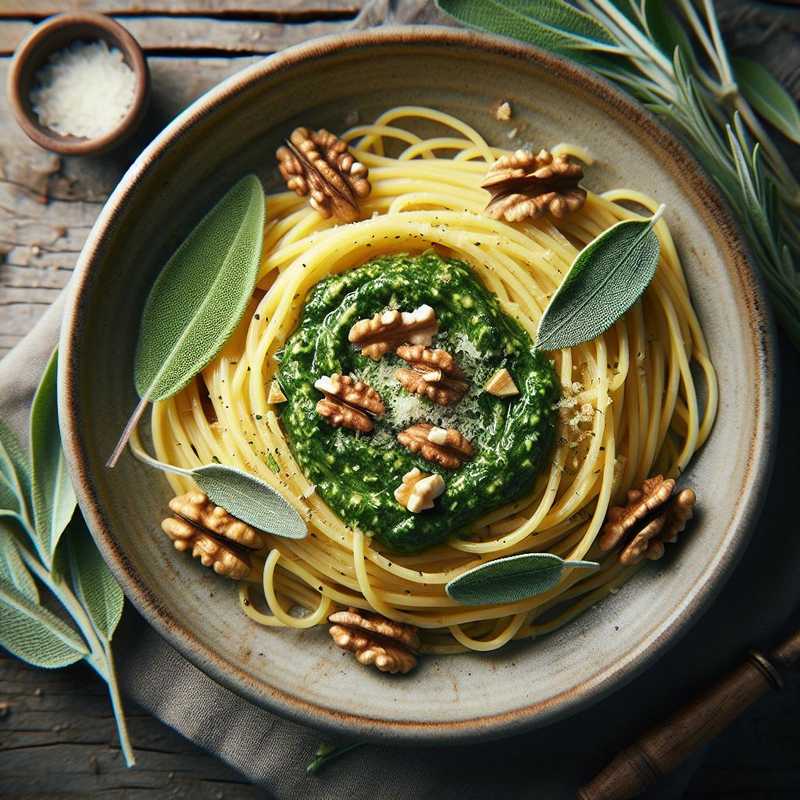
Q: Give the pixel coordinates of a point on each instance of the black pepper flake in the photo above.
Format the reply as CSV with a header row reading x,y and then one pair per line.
x,y
256,316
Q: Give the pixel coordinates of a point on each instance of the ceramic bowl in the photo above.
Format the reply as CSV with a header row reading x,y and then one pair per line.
x,y
235,129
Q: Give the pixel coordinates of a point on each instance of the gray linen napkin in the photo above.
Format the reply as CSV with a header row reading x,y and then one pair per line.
x,y
550,763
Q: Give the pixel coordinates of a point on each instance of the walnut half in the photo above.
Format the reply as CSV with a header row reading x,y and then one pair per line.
x,y
525,185
376,641
348,402
386,330
418,490
434,374
653,515
218,539
445,447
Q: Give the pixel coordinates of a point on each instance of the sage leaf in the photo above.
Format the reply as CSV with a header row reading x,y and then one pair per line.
x,y
12,568
765,93
35,634
198,298
550,24
9,499
14,465
507,580
250,500
665,29
91,579
607,277
53,496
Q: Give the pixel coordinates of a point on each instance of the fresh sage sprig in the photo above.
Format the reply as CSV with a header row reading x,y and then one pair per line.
x,y
513,578
670,55
45,546
606,278
198,299
244,496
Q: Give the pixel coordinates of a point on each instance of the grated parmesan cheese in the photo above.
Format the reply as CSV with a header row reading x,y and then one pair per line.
x,y
83,90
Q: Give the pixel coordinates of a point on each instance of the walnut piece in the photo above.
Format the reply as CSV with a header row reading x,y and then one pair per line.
x,y
218,539
348,402
434,374
418,490
653,515
501,384
276,394
318,164
376,641
503,112
525,185
388,329
445,447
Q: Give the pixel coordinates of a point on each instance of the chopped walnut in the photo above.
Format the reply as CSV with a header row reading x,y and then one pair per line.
x,y
501,384
445,447
434,374
418,490
276,394
213,535
376,641
525,185
388,329
318,164
653,515
503,112
348,402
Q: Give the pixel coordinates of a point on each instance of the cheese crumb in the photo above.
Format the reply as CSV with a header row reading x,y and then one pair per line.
x,y
503,111
84,90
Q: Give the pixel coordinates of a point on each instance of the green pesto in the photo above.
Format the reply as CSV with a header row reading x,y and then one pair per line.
x,y
356,474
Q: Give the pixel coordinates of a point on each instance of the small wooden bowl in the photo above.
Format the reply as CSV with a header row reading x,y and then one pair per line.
x,y
56,34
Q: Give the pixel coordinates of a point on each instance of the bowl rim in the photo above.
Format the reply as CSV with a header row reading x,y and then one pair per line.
x,y
36,40
629,664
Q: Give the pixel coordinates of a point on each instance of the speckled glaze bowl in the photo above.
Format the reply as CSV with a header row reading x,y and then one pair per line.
x,y
235,129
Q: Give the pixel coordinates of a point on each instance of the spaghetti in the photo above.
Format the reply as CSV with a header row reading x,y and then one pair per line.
x,y
630,404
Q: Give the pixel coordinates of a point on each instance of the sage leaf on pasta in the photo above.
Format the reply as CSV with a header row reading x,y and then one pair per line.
x,y
607,277
53,496
198,298
250,500
35,634
507,580
91,579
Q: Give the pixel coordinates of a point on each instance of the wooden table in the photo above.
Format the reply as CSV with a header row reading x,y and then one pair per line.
x,y
56,727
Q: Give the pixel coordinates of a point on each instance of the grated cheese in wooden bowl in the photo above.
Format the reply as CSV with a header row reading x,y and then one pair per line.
x,y
84,90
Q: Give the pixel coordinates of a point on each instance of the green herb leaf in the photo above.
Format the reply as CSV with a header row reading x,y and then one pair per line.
x,y
199,297
14,465
250,500
12,568
551,24
53,496
92,581
605,280
35,634
765,93
665,29
507,580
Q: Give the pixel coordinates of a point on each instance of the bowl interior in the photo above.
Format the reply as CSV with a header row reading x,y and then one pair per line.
x,y
237,129
57,34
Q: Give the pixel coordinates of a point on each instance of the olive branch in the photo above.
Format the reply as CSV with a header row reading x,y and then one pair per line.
x,y
670,55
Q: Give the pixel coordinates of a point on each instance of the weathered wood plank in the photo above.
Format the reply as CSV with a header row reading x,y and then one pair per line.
x,y
48,204
57,739
198,34
272,9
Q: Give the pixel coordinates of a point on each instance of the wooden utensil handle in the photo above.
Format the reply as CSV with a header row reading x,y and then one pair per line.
x,y
660,750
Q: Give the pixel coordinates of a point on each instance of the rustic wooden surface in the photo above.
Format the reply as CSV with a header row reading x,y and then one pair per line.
x,y
56,730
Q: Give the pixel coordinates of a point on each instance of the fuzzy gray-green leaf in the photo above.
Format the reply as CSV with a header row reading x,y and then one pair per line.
x,y
53,496
202,292
35,634
550,24
12,568
94,585
14,465
607,277
250,499
507,580
765,93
